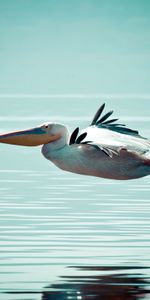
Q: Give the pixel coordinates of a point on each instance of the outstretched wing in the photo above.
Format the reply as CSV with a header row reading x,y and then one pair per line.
x,y
108,136
103,122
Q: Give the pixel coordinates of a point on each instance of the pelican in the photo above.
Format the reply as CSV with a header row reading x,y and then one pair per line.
x,y
105,149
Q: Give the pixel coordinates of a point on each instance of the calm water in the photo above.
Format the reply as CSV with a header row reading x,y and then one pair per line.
x,y
66,236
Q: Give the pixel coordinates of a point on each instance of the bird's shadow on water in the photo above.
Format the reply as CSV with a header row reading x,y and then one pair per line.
x,y
98,283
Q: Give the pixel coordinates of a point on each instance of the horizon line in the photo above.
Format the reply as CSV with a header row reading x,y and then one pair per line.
x,y
75,95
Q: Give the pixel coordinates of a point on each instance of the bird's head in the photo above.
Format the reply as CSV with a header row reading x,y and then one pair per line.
x,y
44,134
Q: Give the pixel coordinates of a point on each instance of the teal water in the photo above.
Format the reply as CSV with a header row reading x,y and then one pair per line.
x,y
66,236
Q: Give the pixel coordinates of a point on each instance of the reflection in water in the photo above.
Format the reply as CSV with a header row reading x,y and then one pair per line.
x,y
113,283
50,220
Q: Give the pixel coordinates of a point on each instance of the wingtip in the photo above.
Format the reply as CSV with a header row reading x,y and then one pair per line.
x,y
98,114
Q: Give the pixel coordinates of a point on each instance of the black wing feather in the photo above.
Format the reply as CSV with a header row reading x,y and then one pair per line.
x,y
98,114
81,138
110,124
125,130
75,139
74,136
105,117
110,121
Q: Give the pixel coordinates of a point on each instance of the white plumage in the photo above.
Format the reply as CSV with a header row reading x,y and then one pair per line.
x,y
104,149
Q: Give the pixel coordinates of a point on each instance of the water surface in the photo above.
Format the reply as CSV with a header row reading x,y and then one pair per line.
x,y
66,236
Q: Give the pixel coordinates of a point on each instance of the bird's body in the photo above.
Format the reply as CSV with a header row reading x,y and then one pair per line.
x,y
104,149
87,159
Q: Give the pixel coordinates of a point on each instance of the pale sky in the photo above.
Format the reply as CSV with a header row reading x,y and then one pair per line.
x,y
74,46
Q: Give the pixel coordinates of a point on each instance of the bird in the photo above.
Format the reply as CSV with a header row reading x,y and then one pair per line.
x,y
105,149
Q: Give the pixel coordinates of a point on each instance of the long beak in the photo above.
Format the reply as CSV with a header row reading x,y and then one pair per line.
x,y
30,137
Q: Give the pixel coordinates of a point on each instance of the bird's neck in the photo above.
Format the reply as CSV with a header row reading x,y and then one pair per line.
x,y
64,157
51,149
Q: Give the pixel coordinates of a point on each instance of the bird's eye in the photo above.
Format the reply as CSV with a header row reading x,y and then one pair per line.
x,y
46,126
